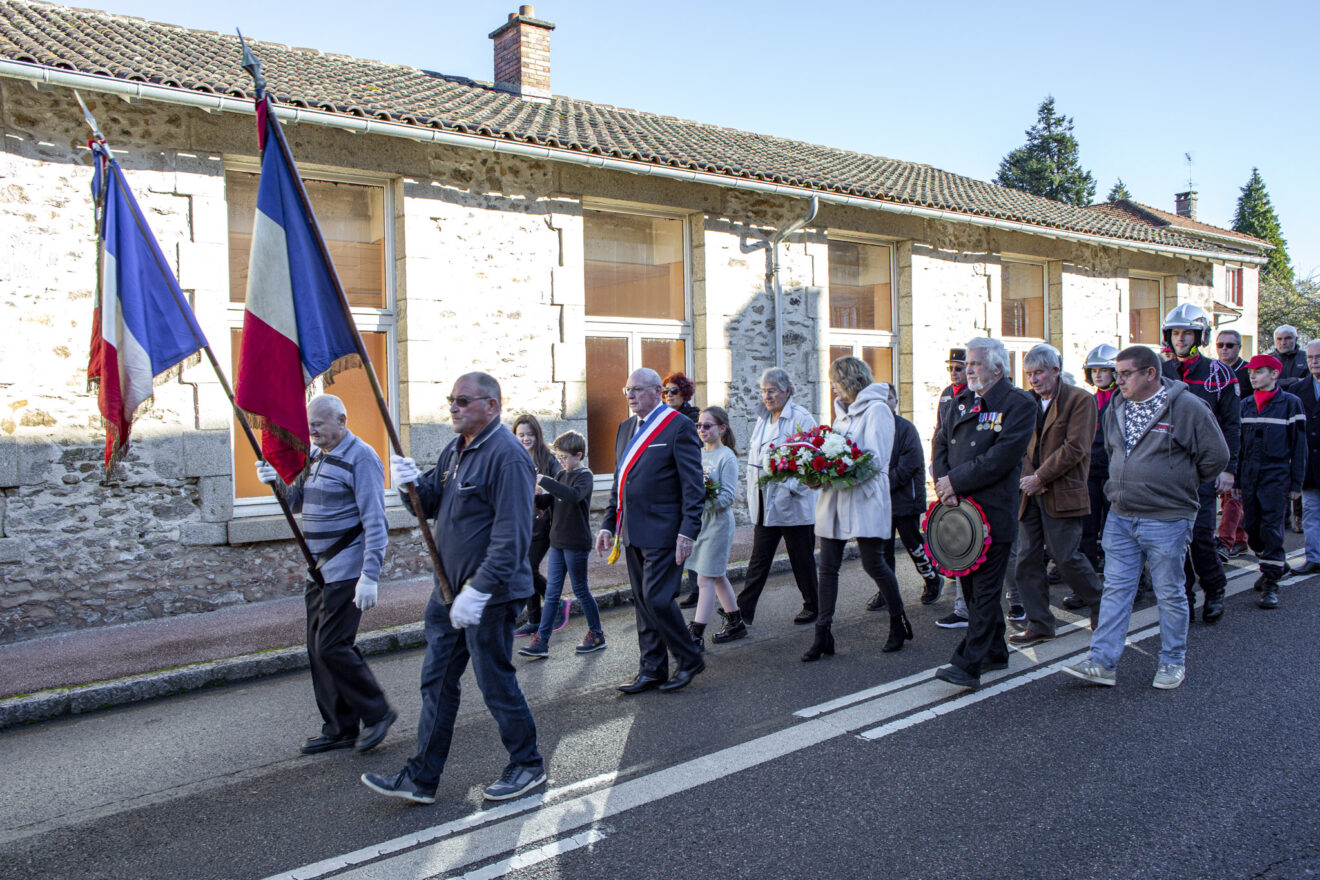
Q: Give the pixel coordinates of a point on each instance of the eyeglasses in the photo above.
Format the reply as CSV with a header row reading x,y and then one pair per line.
x,y
463,400
957,368
671,389
706,426
1227,344
1126,374
630,390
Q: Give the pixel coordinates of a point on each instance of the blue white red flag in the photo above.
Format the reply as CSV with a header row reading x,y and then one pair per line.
x,y
142,325
295,326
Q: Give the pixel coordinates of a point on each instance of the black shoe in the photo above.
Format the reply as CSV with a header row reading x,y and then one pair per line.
x,y
899,632
876,602
318,744
689,600
399,786
823,645
1269,597
806,615
931,593
1213,609
1072,603
734,629
642,683
954,675
1017,613
372,735
683,678
1222,549
698,633
1307,568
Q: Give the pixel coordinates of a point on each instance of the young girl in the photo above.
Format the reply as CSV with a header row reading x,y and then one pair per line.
x,y
710,554
528,431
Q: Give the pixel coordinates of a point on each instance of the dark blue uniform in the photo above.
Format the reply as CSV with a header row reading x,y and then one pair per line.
x,y
1273,462
1094,524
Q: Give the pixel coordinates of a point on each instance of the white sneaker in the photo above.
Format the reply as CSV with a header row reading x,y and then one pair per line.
x,y
1169,676
1090,670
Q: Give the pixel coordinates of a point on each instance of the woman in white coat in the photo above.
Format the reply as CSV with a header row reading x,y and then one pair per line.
x,y
862,512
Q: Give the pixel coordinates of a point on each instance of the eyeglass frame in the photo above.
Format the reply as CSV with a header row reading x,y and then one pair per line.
x,y
630,390
463,401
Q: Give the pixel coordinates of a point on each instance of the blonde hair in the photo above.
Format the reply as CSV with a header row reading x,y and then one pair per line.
x,y
852,374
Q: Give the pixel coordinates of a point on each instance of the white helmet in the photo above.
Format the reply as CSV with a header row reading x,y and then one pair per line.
x,y
1104,356
1187,316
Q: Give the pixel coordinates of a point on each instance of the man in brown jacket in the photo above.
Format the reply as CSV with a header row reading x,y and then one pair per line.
x,y
1054,501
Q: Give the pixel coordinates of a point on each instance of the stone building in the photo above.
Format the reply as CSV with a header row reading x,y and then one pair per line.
x,y
554,243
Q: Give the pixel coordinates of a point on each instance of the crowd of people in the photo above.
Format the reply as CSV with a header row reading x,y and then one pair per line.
x,y
1104,491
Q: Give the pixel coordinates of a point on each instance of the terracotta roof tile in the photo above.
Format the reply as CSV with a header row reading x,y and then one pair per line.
x,y
1137,212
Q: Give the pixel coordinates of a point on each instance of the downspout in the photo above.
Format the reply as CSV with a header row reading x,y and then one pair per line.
x,y
776,290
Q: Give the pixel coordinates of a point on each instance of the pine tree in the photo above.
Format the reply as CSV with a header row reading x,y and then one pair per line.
x,y
1119,192
1255,216
1047,164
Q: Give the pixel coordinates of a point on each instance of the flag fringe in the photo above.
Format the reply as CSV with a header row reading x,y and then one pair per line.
x,y
341,365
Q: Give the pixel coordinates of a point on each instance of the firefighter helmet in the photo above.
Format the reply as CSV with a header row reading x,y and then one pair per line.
x,y
1103,356
1187,316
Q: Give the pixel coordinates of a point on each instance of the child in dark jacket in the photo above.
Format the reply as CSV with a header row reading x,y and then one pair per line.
x,y
570,544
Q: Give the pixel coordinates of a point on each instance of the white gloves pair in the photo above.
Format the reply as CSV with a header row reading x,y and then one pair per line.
x,y
404,470
364,597
467,608
266,473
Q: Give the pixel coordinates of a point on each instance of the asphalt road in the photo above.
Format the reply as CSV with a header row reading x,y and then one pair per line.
x,y
890,775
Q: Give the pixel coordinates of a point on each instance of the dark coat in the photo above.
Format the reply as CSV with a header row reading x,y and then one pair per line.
x,y
687,409
1100,455
1304,390
986,464
1216,385
1294,365
665,490
907,470
1065,452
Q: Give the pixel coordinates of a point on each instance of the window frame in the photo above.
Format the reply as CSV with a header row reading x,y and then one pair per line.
x,y
857,339
1161,309
1043,265
367,319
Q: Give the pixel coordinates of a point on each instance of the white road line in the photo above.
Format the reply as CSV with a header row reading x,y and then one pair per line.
x,y
536,856
485,835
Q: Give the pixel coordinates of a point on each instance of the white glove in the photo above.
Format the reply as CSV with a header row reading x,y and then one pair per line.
x,y
467,608
365,596
403,470
266,473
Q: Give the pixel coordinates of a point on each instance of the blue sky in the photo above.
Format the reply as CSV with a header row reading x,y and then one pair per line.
x,y
950,84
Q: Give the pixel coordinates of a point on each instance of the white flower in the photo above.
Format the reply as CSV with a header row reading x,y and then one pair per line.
x,y
834,445
846,461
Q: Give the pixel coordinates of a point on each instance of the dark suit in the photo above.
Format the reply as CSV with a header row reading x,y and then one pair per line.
x,y
985,465
663,497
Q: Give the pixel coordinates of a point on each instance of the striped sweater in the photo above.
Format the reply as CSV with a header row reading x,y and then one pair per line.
x,y
340,489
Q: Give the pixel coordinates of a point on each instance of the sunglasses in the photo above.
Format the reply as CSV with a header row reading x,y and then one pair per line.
x,y
463,400
671,389
1227,344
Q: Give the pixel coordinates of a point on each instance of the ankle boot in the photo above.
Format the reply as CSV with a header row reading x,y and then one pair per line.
x,y
1269,595
899,632
698,631
734,628
823,644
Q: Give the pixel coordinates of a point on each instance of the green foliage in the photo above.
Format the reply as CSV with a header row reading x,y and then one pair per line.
x,y
1047,164
1294,302
1119,192
1255,216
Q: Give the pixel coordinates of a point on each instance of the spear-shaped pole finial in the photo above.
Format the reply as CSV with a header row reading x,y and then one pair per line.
x,y
91,120
252,64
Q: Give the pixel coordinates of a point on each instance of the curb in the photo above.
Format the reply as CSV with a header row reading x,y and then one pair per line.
x,y
62,702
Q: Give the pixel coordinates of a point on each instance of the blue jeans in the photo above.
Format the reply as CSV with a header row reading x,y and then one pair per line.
x,y
1130,543
575,563
489,645
1311,523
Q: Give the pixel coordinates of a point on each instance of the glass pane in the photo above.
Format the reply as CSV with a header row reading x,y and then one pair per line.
x,y
1144,311
352,220
1024,300
665,356
881,362
860,287
607,373
350,386
634,266
840,351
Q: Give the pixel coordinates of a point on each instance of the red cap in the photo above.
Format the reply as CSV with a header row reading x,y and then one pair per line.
x,y
1264,362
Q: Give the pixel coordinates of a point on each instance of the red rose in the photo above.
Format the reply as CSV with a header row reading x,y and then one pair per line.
x,y
841,468
818,442
818,463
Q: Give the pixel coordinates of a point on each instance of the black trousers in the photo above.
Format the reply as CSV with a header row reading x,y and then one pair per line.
x,y
907,528
1093,525
800,542
346,692
873,563
983,591
536,551
1037,533
1202,561
661,629
1264,503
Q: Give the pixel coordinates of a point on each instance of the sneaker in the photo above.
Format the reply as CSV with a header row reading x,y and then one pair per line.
x,y
593,641
538,648
399,786
527,629
952,621
1090,670
515,782
1017,612
561,621
1169,676
1237,550
1224,551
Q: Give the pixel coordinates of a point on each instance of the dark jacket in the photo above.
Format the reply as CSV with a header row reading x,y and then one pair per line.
x,y
986,464
1211,381
665,490
467,493
1304,390
907,470
1064,452
1243,376
1294,364
1274,440
687,409
1099,455
543,511
571,491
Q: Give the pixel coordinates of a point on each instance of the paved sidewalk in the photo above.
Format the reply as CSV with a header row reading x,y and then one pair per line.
x,y
91,669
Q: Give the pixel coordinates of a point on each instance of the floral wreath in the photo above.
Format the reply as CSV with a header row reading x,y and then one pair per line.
x,y
947,572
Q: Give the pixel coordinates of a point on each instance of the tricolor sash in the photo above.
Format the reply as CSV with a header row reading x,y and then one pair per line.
x,y
630,456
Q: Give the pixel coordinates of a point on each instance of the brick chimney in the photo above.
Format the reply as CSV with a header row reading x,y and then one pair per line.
x,y
522,55
1184,204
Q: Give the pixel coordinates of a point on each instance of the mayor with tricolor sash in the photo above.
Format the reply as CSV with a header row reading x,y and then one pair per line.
x,y
653,517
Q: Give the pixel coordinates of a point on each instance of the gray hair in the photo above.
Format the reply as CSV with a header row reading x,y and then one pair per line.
x,y
1234,332
995,352
486,384
330,402
1043,355
1285,328
777,377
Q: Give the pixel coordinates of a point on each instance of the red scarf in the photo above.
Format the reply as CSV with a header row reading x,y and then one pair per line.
x,y
1263,399
1102,397
1185,365
958,389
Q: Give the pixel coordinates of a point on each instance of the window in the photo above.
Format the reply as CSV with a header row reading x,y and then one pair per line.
x,y
637,314
1144,313
354,218
1023,307
862,310
1233,286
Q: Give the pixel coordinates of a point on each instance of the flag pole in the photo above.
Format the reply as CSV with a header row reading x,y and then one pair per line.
x,y
112,168
252,65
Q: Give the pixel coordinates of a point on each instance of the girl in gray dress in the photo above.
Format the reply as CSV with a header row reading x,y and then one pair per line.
x,y
710,553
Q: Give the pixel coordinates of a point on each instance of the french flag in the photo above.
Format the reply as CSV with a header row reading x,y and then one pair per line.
x,y
142,324
295,326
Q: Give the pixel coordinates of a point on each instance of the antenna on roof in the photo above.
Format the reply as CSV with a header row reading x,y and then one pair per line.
x,y
1191,185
